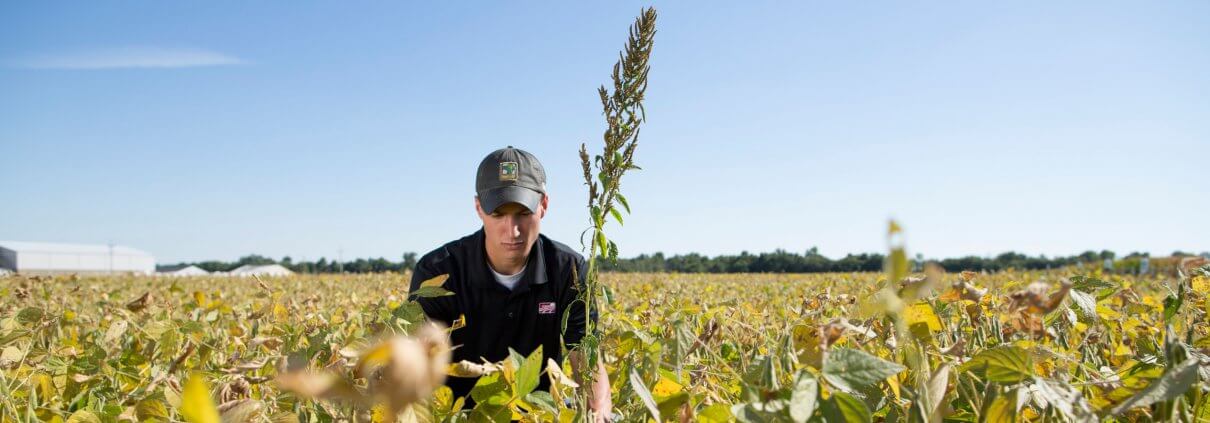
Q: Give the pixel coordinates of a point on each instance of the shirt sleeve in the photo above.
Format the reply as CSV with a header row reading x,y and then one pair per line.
x,y
440,309
574,331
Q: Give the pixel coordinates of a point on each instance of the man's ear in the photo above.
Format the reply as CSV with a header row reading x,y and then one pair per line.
x,y
544,205
478,208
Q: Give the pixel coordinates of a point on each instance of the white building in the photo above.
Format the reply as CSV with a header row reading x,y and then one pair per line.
x,y
44,258
180,270
260,270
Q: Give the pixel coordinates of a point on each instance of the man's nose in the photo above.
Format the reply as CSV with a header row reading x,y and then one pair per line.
x,y
514,227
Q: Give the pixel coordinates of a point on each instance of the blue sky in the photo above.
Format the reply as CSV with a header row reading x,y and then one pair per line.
x,y
213,130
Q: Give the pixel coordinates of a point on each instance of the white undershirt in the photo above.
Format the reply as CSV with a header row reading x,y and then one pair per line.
x,y
509,281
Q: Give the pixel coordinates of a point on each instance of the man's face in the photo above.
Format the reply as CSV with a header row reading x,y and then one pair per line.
x,y
511,229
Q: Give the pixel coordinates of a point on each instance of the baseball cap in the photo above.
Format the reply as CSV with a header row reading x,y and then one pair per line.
x,y
510,175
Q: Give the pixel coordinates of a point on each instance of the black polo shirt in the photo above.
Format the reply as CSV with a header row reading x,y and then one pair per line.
x,y
498,319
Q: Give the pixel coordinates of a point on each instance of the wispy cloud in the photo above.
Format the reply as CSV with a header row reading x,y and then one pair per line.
x,y
129,58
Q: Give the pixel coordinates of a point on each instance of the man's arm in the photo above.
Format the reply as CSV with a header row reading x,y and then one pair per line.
x,y
600,398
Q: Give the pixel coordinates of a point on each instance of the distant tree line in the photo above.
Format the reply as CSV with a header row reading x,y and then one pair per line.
x,y
323,265
811,261
778,261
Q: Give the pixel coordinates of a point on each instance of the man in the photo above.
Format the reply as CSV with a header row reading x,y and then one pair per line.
x,y
513,285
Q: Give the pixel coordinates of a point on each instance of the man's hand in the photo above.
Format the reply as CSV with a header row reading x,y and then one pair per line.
x,y
600,399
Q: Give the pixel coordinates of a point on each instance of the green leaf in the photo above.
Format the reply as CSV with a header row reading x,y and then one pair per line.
x,y
613,211
543,401
670,405
1004,364
644,394
30,315
852,370
1063,398
934,393
1002,409
151,408
1172,304
495,413
842,407
527,374
490,389
602,244
804,398
433,287
431,291
1086,306
196,404
622,199
597,218
1089,285
1174,383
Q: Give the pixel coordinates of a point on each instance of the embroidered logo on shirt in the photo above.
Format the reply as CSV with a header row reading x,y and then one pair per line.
x,y
546,308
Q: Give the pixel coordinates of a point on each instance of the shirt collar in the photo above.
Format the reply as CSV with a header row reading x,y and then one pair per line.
x,y
535,265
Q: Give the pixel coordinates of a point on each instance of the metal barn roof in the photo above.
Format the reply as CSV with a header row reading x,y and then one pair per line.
x,y
48,247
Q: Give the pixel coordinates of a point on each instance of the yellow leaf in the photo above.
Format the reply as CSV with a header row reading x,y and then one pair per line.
x,y
1001,409
45,385
922,313
436,281
1108,314
200,298
280,313
665,387
196,404
1200,284
1028,414
372,358
1122,350
83,416
1151,301
379,414
950,296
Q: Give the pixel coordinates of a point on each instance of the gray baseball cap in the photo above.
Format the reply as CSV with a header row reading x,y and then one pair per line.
x,y
510,175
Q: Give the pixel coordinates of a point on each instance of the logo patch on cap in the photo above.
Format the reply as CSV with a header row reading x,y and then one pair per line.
x,y
508,171
546,308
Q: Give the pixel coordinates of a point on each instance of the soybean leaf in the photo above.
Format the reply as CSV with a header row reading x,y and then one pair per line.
x,y
934,393
432,287
1086,306
639,388
842,407
804,398
1002,409
1090,285
527,374
83,416
196,404
1004,364
852,370
1172,384
1172,303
